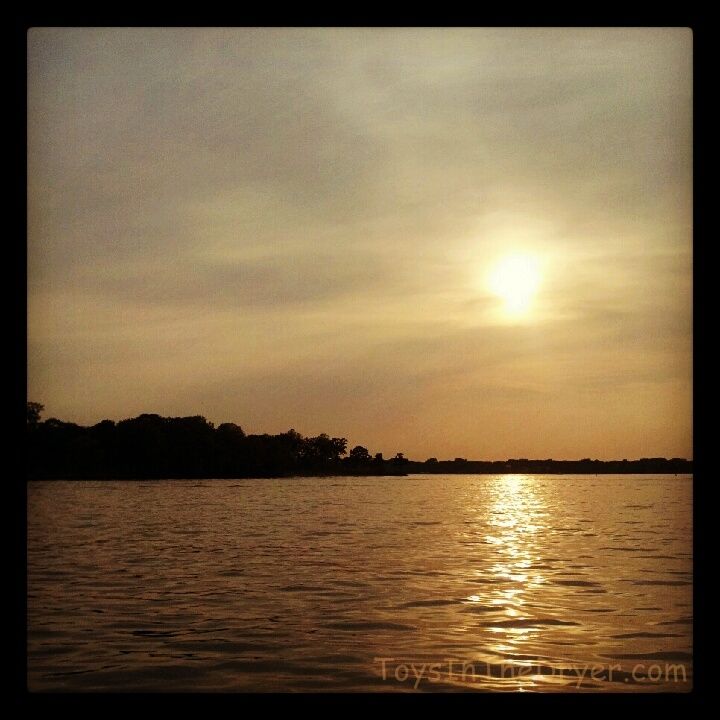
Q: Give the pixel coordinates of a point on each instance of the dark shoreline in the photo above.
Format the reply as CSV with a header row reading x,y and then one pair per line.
x,y
153,447
369,472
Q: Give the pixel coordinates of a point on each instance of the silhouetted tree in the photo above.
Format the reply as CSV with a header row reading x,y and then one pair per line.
x,y
151,446
359,455
33,413
322,450
231,431
230,457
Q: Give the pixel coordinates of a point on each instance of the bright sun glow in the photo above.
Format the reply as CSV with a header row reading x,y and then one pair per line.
x,y
515,279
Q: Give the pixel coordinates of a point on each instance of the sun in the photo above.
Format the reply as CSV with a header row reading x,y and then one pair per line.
x,y
515,279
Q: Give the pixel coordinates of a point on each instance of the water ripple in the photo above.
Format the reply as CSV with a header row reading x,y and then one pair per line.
x,y
269,585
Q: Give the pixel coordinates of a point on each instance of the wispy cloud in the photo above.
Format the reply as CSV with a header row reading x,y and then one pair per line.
x,y
292,226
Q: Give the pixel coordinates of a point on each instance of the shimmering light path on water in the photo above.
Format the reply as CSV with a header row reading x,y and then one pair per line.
x,y
463,582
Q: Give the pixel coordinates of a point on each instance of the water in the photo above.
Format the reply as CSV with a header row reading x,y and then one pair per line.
x,y
536,583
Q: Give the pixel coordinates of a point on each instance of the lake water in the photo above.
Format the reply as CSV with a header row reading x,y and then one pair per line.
x,y
402,584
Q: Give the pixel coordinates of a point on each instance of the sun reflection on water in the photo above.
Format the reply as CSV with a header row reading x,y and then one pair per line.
x,y
515,522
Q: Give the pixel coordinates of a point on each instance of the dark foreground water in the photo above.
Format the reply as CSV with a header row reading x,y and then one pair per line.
x,y
466,582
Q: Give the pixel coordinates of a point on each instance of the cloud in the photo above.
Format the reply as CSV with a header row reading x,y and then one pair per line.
x,y
296,213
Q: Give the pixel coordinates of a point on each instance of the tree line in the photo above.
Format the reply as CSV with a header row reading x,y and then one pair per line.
x,y
152,447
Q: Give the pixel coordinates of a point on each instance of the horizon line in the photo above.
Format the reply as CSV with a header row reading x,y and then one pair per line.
x,y
430,460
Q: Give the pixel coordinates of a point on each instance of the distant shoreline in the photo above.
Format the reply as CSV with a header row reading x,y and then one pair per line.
x,y
153,447
367,473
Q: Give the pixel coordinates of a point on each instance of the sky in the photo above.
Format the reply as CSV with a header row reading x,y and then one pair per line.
x,y
307,228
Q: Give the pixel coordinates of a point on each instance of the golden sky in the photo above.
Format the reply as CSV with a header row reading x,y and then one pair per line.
x,y
442,242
